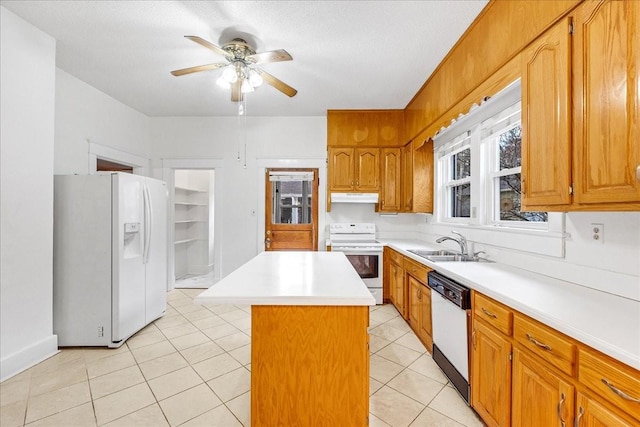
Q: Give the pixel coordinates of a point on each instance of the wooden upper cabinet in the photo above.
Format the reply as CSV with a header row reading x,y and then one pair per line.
x,y
417,177
606,102
354,169
407,178
341,169
362,128
390,200
546,130
367,169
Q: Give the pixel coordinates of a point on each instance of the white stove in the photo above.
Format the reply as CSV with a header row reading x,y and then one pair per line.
x,y
358,242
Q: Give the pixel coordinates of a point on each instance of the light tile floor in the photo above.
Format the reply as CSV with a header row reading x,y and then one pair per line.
x,y
192,368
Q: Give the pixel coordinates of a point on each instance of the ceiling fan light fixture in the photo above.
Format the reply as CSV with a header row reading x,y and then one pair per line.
x,y
254,78
230,75
223,83
246,86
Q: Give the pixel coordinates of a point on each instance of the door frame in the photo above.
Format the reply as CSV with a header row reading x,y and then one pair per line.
x,y
263,165
169,166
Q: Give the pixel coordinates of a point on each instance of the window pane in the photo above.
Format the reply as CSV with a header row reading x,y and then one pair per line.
x,y
461,201
510,197
509,144
461,164
291,202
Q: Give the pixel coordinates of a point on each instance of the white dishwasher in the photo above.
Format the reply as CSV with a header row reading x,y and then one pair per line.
x,y
450,305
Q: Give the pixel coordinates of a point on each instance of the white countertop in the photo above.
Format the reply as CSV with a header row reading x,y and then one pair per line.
x,y
291,278
606,322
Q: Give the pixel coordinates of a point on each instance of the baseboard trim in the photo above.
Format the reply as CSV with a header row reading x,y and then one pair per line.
x,y
27,357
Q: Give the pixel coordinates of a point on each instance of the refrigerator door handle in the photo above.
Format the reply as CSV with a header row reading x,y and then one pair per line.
x,y
147,224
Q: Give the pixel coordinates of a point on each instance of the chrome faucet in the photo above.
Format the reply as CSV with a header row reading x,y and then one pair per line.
x,y
462,241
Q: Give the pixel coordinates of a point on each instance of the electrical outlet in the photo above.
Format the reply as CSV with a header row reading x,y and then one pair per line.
x,y
100,331
597,232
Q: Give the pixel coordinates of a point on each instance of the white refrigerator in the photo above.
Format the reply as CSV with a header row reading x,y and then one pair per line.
x,y
109,257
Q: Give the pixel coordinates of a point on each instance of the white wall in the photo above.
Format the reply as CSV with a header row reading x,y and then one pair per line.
x,y
85,114
221,138
27,91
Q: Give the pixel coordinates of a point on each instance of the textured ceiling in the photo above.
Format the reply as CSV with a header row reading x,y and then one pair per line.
x,y
346,54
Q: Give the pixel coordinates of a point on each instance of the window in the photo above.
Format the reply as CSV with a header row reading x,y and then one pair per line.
x,y
478,167
291,197
457,182
502,141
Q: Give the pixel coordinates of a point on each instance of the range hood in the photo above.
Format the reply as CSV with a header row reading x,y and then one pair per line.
x,y
354,197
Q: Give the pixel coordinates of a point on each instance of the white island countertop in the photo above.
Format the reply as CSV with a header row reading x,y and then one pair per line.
x,y
291,278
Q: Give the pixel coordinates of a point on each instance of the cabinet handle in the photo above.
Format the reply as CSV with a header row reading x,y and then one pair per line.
x,y
638,173
523,182
488,313
358,182
351,182
538,343
580,414
563,423
383,203
619,392
419,293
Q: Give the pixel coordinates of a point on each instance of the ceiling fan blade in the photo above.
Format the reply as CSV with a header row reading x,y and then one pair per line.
x,y
277,83
195,69
236,92
272,56
208,45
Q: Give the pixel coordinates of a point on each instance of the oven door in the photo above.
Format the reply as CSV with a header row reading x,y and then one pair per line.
x,y
365,264
368,265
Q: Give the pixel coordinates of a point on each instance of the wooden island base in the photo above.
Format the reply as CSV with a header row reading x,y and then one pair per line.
x,y
309,365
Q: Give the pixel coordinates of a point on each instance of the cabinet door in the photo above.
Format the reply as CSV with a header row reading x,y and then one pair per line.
x,y
391,175
533,382
425,318
400,291
490,375
415,303
606,102
341,169
407,178
546,126
590,413
367,169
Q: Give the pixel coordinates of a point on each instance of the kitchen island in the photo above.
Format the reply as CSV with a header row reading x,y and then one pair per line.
x,y
309,339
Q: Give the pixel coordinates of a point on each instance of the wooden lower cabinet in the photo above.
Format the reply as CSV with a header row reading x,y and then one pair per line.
x,y
532,375
591,413
396,287
540,397
309,365
491,375
420,310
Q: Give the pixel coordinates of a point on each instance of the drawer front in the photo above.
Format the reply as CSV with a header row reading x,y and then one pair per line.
x,y
493,313
546,343
396,257
615,382
416,269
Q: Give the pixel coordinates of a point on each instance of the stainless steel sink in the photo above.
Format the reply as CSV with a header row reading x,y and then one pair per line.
x,y
425,253
445,256
451,258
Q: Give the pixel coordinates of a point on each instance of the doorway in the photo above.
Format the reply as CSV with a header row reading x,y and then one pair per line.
x,y
193,221
291,209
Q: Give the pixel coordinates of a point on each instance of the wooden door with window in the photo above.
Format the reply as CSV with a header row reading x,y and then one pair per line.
x,y
291,210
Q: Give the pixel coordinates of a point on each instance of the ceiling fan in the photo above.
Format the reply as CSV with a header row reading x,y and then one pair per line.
x,y
240,75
